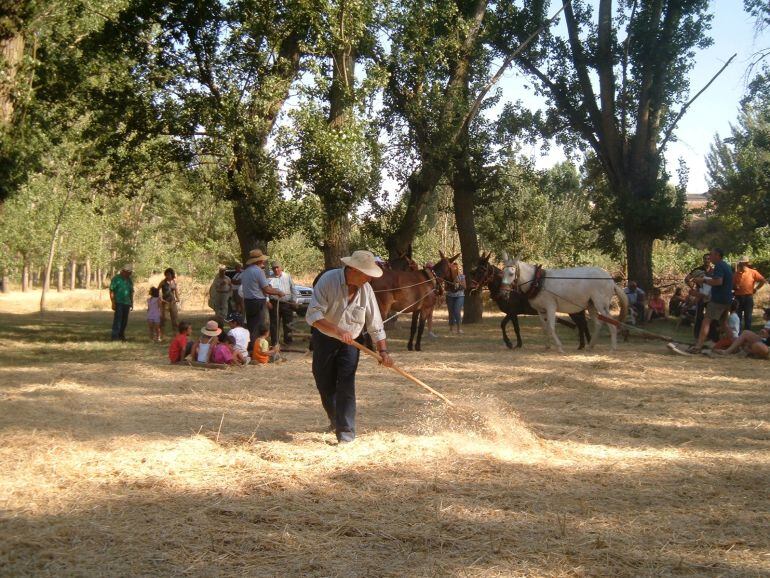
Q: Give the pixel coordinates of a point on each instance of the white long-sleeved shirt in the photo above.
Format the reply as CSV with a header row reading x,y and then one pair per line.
x,y
330,302
285,284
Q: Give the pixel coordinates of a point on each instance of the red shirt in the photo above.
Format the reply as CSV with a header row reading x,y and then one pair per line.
x,y
176,348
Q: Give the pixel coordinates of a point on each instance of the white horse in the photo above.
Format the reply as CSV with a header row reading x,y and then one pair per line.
x,y
567,291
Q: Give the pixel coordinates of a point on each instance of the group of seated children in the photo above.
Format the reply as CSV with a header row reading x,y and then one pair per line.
x,y
214,346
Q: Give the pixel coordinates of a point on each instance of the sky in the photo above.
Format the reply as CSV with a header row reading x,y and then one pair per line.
x,y
732,31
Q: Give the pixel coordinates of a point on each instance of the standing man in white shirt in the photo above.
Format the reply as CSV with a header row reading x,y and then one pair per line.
x,y
343,302
283,307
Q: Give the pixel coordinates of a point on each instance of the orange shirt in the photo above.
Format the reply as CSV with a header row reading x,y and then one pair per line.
x,y
743,281
259,354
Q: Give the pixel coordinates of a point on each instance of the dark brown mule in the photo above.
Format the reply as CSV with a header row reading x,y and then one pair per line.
x,y
514,304
413,292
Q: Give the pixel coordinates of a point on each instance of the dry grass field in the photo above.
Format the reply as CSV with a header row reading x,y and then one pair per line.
x,y
632,463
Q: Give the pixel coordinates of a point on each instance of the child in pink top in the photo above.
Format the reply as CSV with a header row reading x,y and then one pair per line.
x,y
153,314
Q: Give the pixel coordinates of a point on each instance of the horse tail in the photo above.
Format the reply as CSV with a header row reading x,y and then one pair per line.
x,y
623,298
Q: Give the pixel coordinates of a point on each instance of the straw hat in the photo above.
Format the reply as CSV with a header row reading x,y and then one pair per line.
x,y
744,259
211,329
128,268
255,256
364,262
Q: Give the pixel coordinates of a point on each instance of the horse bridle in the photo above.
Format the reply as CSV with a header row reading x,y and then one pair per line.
x,y
514,286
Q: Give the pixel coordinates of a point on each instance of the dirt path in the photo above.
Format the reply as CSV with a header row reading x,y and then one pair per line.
x,y
631,463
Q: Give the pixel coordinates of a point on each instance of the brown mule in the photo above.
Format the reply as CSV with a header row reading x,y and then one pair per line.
x,y
414,292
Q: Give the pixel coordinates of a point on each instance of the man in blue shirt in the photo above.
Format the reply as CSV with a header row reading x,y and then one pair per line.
x,y
255,289
717,309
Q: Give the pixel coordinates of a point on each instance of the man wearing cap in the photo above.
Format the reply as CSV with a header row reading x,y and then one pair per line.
x,y
122,298
343,302
255,288
747,282
283,307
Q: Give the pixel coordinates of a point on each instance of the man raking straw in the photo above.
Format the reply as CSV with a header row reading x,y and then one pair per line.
x,y
343,302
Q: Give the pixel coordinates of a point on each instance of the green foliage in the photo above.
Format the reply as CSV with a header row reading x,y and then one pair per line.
x,y
339,165
739,174
540,216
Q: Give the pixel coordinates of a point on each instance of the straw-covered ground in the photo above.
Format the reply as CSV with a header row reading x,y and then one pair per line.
x,y
634,463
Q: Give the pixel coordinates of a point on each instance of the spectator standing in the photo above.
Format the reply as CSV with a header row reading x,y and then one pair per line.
x,y
721,283
169,298
636,297
747,282
283,307
122,298
455,300
704,294
255,288
220,291
153,314
237,289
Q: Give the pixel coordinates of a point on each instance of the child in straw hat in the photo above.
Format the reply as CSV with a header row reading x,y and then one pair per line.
x,y
204,347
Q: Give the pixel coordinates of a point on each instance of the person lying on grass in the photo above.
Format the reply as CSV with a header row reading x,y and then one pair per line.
x,y
263,353
181,346
204,346
750,343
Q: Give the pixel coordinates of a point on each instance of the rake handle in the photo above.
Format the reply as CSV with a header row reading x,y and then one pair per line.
x,y
403,373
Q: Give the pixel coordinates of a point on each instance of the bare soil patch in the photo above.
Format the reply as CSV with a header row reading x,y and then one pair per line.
x,y
627,463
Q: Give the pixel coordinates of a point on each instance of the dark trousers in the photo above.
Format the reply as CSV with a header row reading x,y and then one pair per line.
x,y
287,316
254,312
120,320
745,310
334,370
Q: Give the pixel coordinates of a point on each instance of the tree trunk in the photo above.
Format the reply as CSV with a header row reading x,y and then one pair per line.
x,y
341,99
11,55
639,252
52,251
25,276
98,279
248,236
59,279
87,273
73,274
421,186
336,243
465,188
4,281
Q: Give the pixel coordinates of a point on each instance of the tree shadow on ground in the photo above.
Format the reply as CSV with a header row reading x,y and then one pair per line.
x,y
485,516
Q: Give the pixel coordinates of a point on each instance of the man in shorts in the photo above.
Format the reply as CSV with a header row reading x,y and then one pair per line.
x,y
717,309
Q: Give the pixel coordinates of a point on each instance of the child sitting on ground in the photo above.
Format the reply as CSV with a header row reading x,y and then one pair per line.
x,y
263,353
153,314
204,347
241,335
656,307
226,353
180,347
